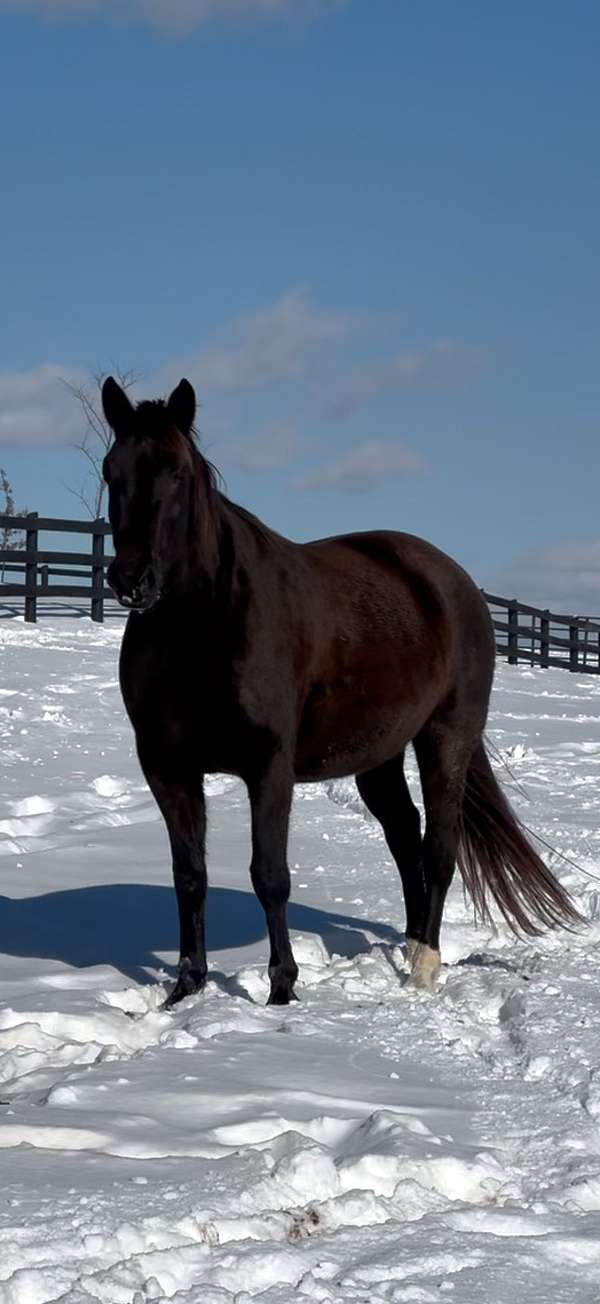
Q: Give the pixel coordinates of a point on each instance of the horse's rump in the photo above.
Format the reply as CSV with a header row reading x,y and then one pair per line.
x,y
394,629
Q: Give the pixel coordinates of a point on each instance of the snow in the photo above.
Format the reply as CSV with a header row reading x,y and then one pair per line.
x,y
369,1143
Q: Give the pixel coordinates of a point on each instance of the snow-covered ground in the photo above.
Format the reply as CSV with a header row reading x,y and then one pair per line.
x,y
370,1143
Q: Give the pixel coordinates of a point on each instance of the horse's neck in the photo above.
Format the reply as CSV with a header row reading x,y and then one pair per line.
x,y
216,542
202,560
237,537
226,540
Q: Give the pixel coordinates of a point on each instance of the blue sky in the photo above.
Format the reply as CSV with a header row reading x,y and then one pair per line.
x,y
367,232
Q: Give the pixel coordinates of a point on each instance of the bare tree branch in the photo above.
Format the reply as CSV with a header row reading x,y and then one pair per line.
x,y
97,437
9,537
82,498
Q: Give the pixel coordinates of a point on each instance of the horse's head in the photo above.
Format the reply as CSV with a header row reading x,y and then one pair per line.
x,y
151,471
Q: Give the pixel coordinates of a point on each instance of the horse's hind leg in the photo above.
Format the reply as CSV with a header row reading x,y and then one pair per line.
x,y
385,793
443,753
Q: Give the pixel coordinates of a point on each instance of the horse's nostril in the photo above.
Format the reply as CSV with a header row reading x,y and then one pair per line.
x,y
132,593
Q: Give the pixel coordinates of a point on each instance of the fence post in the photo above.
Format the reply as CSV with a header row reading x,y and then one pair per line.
x,y
31,545
98,572
573,651
513,632
545,639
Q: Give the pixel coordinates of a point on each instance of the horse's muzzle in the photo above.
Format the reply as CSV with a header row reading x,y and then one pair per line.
x,y
135,595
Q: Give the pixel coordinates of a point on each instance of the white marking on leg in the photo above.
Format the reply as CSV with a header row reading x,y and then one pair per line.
x,y
412,947
426,965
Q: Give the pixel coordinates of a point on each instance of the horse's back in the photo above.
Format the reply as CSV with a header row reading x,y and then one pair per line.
x,y
422,589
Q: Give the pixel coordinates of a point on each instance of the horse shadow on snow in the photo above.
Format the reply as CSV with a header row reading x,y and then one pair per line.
x,y
127,925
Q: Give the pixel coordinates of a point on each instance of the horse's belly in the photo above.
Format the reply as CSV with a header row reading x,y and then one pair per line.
x,y
342,738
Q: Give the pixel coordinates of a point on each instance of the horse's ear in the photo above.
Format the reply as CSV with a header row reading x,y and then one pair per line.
x,y
116,406
181,406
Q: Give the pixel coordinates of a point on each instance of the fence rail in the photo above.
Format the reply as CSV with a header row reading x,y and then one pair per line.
x,y
523,633
544,638
39,567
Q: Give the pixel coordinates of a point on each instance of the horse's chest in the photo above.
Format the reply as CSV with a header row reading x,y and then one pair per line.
x,y
191,706
178,702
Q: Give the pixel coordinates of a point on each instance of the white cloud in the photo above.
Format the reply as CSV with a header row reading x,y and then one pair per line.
x,y
564,577
291,339
268,450
363,467
174,16
276,343
408,368
37,409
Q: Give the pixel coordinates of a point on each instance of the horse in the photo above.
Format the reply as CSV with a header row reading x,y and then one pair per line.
x,y
280,662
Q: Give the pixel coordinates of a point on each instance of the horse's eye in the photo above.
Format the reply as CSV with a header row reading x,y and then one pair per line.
x,y
177,475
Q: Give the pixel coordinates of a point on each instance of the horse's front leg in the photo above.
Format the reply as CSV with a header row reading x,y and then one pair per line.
x,y
183,809
270,800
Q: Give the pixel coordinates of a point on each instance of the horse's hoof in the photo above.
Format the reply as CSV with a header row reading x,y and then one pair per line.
x,y
425,967
187,985
281,997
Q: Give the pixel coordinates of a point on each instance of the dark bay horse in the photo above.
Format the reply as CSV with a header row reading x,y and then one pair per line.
x,y
282,662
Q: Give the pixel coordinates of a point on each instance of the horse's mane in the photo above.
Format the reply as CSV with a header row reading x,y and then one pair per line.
x,y
259,528
218,498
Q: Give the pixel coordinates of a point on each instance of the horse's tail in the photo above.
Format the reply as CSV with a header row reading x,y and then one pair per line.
x,y
496,859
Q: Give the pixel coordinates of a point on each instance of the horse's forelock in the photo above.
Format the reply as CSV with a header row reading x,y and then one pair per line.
x,y
151,418
153,421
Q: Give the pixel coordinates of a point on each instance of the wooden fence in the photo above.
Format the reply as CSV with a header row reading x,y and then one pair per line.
x,y
40,568
543,638
523,633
